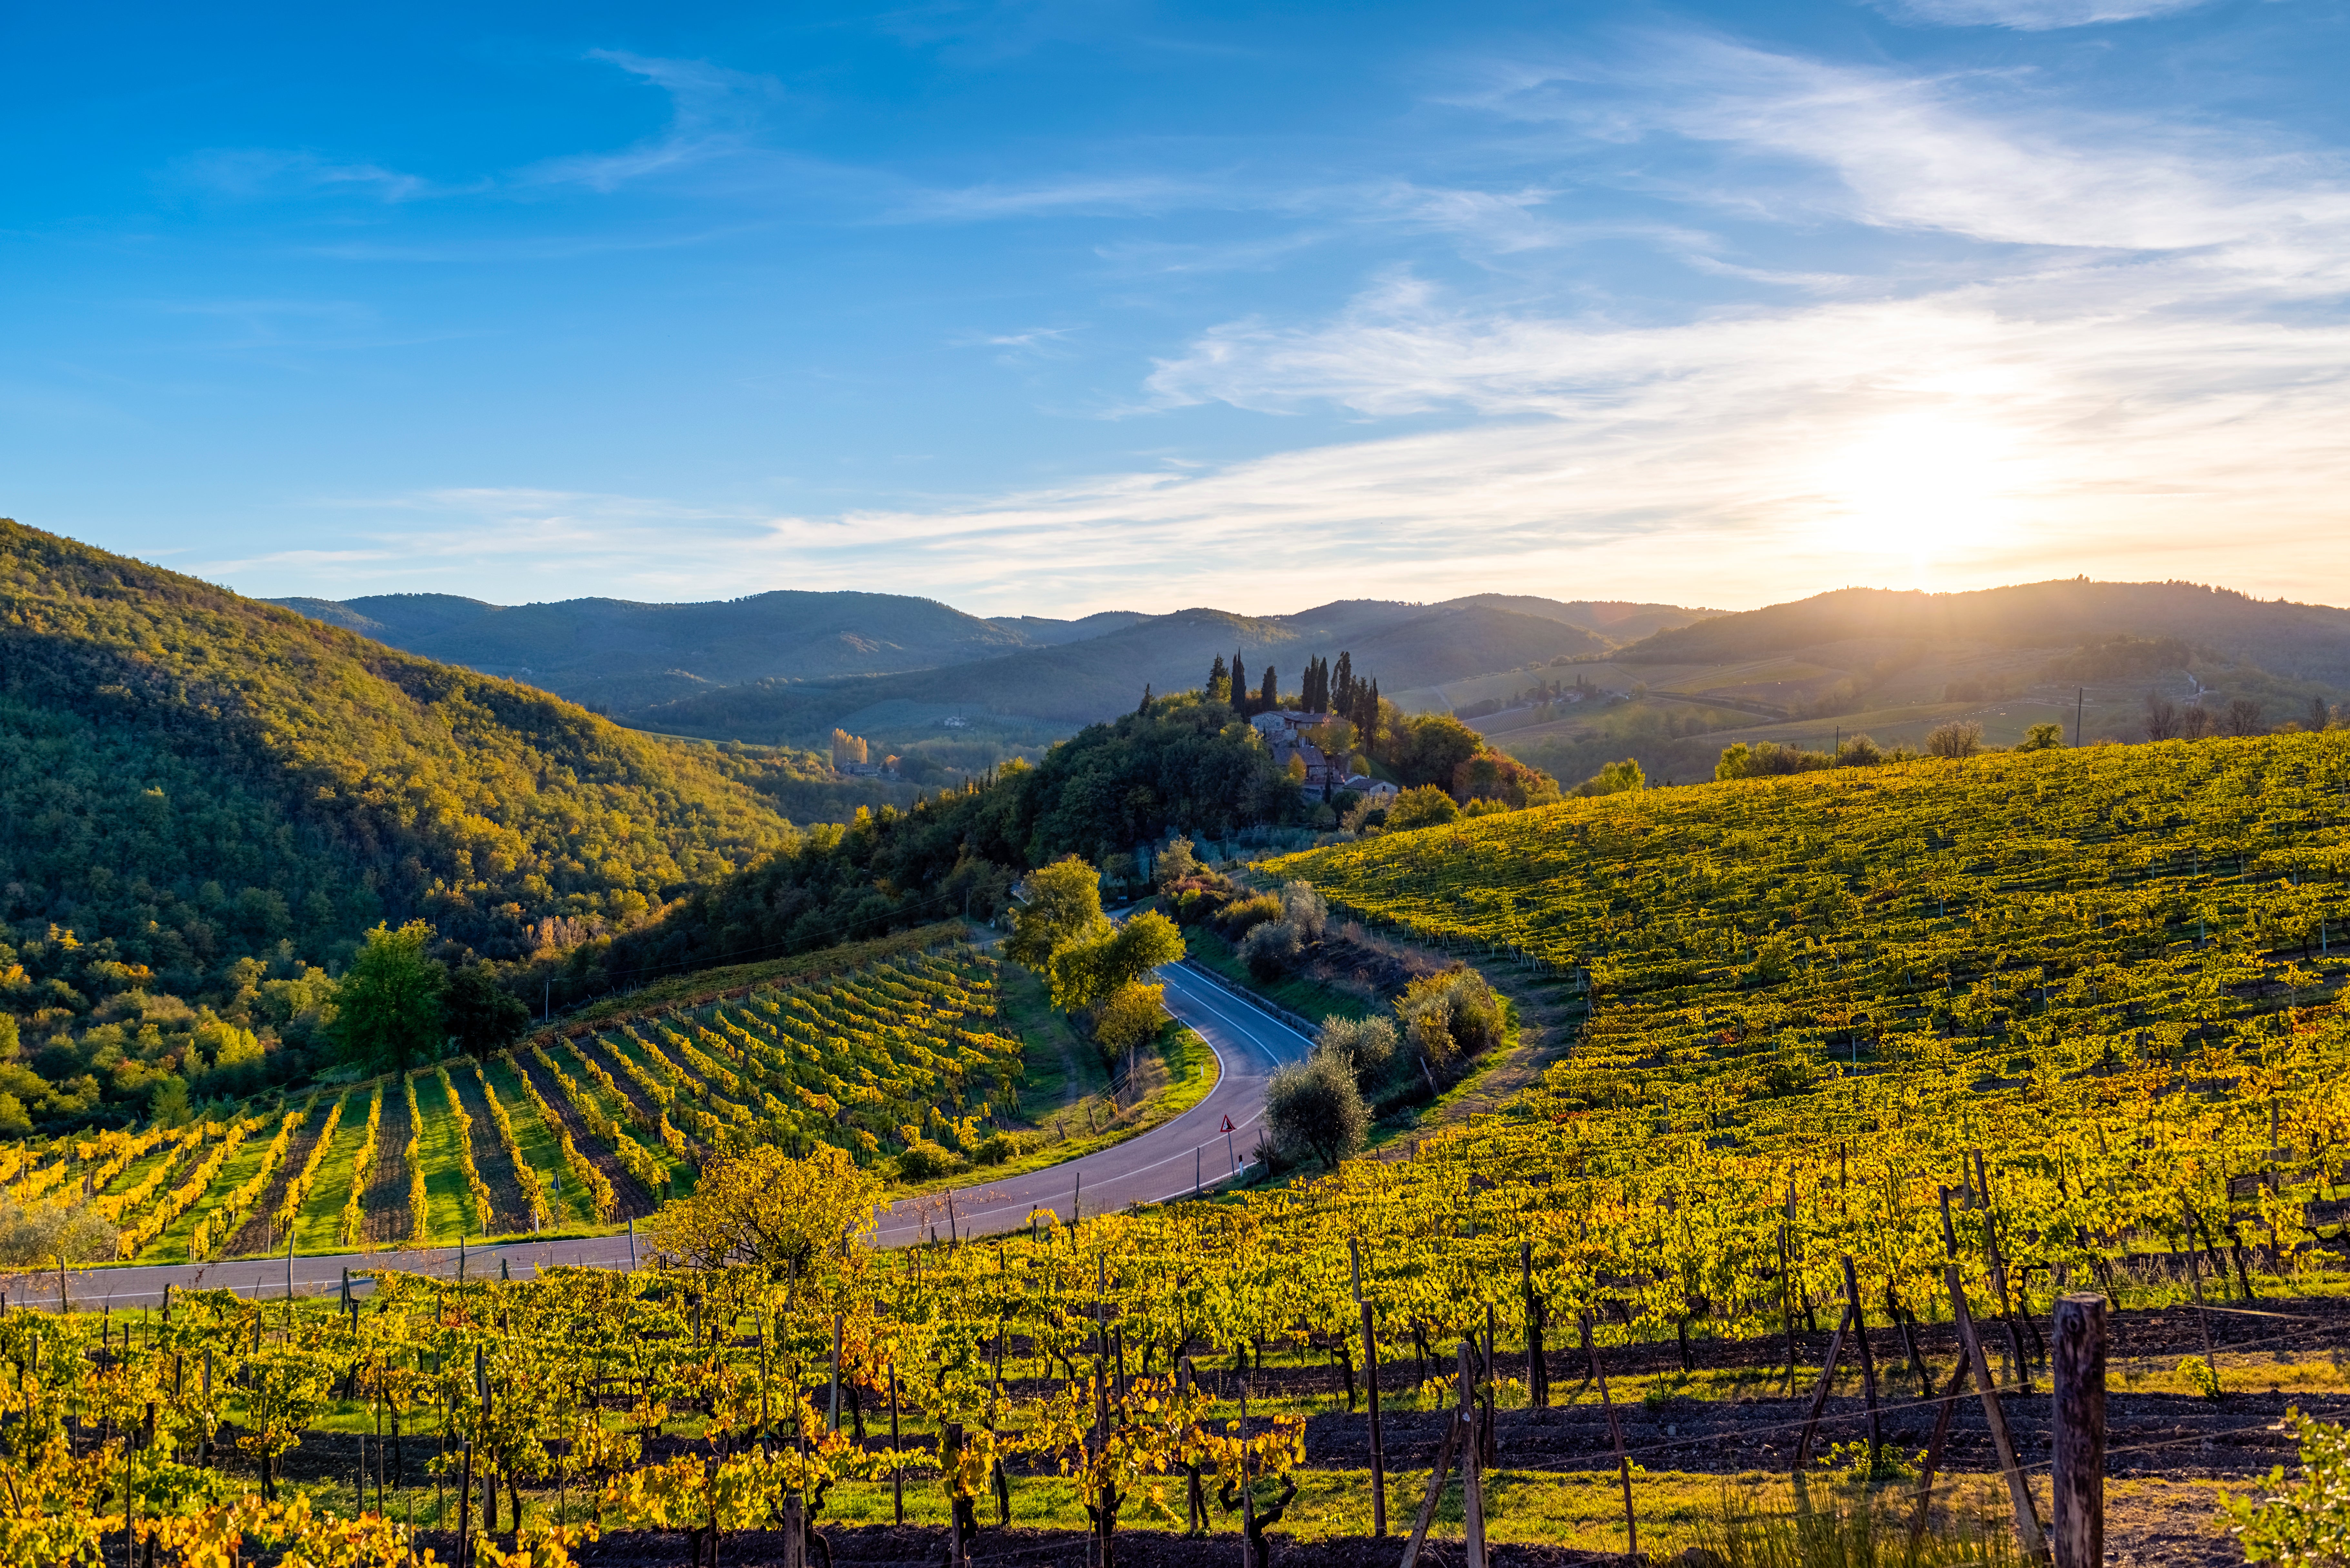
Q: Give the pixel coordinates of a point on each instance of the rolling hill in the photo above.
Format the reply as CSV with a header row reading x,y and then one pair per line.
x,y
206,796
1894,664
795,664
618,654
1081,682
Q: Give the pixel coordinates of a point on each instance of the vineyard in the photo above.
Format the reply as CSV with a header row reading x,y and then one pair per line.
x,y
562,1134
1869,1063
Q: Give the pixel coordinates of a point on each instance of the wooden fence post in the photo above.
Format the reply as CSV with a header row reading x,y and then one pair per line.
x,y
2019,1492
2078,1475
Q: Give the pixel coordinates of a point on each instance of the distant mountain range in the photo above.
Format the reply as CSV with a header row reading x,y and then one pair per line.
x,y
791,665
2083,655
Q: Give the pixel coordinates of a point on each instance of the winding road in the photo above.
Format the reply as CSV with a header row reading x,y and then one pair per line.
x,y
1170,1161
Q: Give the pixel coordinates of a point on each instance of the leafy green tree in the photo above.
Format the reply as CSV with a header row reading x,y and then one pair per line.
x,y
479,1012
1426,807
1063,909
1315,1106
2042,738
389,1003
1088,971
1621,778
1130,1018
1430,750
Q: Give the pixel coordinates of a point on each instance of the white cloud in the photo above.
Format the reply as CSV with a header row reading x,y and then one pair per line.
x,y
271,173
2144,372
2032,15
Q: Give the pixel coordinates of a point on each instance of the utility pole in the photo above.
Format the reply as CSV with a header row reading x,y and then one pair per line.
x,y
2080,703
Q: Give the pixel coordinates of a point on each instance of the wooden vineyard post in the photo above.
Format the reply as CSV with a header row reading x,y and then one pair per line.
x,y
1537,1373
1999,1277
1820,1398
897,1466
2078,1473
1867,1363
2027,1521
1435,1490
2195,1278
1473,1470
1615,1432
1959,1377
1371,1381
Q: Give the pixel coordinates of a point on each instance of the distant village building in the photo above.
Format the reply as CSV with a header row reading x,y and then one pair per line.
x,y
1285,731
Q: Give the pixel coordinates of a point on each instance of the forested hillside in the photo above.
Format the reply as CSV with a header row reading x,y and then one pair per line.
x,y
1083,682
616,653
207,798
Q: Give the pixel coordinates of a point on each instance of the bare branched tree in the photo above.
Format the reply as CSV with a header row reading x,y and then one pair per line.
x,y
2161,717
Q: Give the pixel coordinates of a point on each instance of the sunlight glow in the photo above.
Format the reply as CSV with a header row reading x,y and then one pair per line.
x,y
1928,488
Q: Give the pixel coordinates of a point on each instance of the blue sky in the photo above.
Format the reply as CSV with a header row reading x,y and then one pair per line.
x,y
1051,308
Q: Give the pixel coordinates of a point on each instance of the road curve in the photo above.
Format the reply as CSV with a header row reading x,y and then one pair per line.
x,y
1162,1163
1165,1162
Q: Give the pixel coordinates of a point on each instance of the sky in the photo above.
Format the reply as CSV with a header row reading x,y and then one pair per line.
x,y
1049,308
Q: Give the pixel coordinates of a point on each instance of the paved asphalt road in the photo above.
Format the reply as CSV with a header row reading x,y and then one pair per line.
x,y
1162,1163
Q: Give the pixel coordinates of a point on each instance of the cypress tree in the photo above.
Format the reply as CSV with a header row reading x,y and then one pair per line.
x,y
1345,682
1369,722
1218,686
1145,708
1270,698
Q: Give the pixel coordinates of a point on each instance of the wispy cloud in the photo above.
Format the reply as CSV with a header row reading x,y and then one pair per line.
x,y
2138,351
2032,15
715,113
269,174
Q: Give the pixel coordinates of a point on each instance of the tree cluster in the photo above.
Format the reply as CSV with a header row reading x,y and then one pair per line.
x,y
204,801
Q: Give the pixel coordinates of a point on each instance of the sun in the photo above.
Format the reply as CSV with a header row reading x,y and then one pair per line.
x,y
1923,486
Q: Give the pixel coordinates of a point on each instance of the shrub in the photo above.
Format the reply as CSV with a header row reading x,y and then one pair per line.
x,y
1244,914
1859,752
1303,908
1313,1106
1270,949
1483,807
1456,1004
1956,739
1427,806
994,1149
925,1160
2042,738
1368,1045
1176,863
2307,1520
1132,1017
1615,778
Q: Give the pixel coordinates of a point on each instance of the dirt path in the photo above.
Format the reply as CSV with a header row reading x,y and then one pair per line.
x,y
509,1210
254,1235
387,1220
630,1201
593,1048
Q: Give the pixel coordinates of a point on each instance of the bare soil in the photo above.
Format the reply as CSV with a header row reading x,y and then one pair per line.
x,y
253,1236
509,1210
630,1201
388,1221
